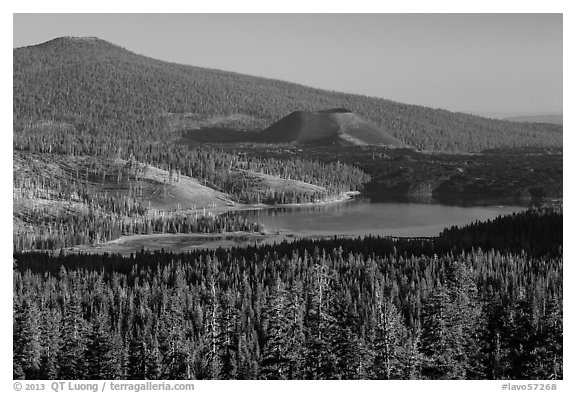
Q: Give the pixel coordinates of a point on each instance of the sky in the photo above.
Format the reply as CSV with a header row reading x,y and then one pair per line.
x,y
499,64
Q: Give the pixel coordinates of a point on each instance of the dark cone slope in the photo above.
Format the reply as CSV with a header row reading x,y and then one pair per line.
x,y
333,126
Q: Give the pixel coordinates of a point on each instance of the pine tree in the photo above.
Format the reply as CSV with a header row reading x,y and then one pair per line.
x,y
72,341
440,356
493,349
227,343
411,358
51,321
320,362
296,333
137,360
27,345
522,341
175,356
275,363
549,357
153,360
350,352
211,364
466,319
100,358
390,340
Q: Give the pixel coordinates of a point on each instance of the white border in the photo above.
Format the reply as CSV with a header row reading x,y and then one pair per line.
x,y
246,6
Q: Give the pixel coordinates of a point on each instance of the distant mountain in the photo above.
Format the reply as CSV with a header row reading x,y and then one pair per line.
x,y
101,97
333,126
549,118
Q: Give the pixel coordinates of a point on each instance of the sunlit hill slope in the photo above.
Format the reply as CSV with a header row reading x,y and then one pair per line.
x,y
105,91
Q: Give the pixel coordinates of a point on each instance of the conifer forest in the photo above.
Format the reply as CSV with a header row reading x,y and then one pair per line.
x,y
370,308
106,155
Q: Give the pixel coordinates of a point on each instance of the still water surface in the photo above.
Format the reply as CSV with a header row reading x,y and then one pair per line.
x,y
361,217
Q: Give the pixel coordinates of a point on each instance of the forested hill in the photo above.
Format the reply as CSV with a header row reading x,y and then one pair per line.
x,y
105,92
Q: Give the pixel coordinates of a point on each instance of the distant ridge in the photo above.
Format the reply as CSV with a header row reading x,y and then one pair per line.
x,y
104,92
549,118
330,126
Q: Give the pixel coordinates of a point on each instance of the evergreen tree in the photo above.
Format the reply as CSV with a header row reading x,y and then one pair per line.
x,y
100,357
72,341
549,351
442,342
347,346
276,361
390,340
27,341
137,361
320,362
51,321
522,340
153,360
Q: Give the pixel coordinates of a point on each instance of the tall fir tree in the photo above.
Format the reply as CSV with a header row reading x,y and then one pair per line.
x,y
100,355
27,340
390,341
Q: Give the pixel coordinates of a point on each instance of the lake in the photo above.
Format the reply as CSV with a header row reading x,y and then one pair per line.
x,y
361,217
355,218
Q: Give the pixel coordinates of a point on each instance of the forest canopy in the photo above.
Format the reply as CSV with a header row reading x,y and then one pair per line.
x,y
369,308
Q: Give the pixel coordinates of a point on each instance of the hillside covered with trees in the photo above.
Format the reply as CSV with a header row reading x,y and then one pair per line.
x,y
62,201
103,98
522,177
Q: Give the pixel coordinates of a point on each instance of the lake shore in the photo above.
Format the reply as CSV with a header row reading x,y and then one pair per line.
x,y
180,242
345,196
286,224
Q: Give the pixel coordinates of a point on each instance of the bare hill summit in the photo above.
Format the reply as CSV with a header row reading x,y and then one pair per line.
x,y
333,126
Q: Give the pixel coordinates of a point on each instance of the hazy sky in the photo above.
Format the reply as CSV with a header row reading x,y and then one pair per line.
x,y
509,63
